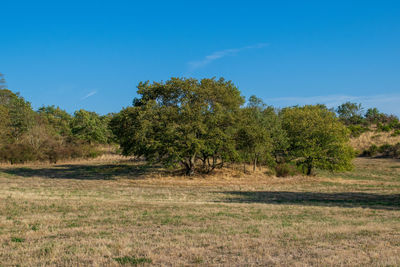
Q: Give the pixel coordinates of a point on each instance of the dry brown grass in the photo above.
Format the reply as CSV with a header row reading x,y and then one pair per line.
x,y
97,213
365,140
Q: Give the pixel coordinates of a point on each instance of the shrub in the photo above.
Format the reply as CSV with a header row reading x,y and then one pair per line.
x,y
371,151
17,153
395,133
285,169
386,150
384,128
392,151
357,129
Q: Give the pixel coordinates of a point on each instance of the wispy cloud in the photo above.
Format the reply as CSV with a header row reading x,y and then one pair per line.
x,y
387,103
223,53
89,95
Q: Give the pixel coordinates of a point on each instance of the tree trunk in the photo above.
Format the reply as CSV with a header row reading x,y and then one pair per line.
x,y
254,164
309,170
204,160
309,166
190,165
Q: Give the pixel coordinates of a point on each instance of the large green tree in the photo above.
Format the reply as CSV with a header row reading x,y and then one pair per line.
x,y
317,139
181,121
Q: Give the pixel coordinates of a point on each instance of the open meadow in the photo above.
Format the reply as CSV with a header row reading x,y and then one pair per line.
x,y
115,212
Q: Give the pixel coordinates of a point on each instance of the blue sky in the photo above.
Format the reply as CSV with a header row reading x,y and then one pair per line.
x,y
92,54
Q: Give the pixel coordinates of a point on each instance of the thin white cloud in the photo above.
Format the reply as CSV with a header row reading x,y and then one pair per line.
x,y
89,95
223,53
388,103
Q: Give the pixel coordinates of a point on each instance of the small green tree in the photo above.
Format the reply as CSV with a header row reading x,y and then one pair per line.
x,y
317,139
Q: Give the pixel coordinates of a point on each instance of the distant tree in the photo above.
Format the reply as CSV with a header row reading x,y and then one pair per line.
x,y
106,121
280,142
350,113
20,113
253,137
4,125
373,115
317,139
181,121
89,127
2,82
58,119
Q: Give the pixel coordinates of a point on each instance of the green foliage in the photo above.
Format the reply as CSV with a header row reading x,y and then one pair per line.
x,y
373,115
356,129
350,113
17,239
317,139
184,122
2,82
390,123
259,137
89,127
17,153
285,169
181,120
384,128
396,132
20,116
59,119
390,151
43,136
371,151
4,125
132,260
385,150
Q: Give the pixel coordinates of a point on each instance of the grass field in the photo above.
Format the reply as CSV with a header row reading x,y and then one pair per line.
x,y
124,213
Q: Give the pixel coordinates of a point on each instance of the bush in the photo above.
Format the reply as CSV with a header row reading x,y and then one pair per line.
x,y
371,151
357,129
285,169
395,133
17,153
49,151
391,151
386,150
384,128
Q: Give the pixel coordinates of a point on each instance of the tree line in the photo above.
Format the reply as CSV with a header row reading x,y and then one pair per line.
x,y
203,124
359,120
48,133
190,124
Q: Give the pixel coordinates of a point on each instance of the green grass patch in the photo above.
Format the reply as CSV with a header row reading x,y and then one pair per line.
x,y
131,260
17,239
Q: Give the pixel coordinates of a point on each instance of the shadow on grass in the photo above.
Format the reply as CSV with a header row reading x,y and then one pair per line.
x,y
346,199
85,172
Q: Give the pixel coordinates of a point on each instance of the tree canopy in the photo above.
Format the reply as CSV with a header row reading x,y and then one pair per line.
x,y
317,139
181,120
